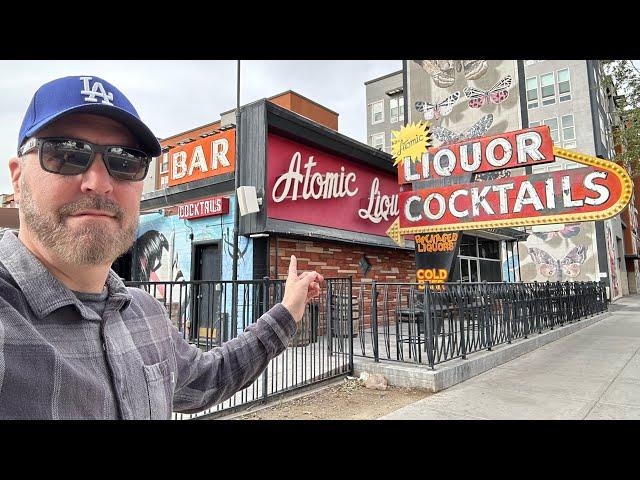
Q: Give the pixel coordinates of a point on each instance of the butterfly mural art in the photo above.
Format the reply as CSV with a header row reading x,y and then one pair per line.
x,y
554,269
432,111
569,230
496,94
446,136
443,72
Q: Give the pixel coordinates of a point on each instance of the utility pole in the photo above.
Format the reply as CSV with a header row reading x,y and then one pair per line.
x,y
236,216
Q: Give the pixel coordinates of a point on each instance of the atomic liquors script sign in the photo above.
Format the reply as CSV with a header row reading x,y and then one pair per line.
x,y
598,190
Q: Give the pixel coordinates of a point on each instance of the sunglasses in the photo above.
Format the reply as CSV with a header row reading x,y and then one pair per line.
x,y
68,156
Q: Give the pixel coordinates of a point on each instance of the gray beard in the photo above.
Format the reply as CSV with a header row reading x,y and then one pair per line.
x,y
86,245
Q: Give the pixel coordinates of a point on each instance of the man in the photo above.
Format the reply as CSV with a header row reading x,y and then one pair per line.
x,y
74,341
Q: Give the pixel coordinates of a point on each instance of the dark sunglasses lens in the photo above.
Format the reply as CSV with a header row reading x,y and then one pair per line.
x,y
127,163
66,157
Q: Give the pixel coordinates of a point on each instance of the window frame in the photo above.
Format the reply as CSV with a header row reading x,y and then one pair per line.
x,y
564,97
551,129
530,105
552,85
378,135
162,163
372,104
400,115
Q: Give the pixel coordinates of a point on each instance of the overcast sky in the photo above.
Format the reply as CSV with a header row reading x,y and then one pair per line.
x,y
174,96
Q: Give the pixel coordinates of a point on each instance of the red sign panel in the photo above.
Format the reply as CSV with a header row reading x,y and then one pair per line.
x,y
561,193
308,185
497,152
207,207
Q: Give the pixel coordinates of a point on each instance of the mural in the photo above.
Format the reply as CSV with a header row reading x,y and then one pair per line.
x,y
163,250
463,100
564,254
510,271
443,72
614,281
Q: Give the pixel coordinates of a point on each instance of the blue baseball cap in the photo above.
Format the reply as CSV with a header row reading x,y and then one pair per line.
x,y
84,94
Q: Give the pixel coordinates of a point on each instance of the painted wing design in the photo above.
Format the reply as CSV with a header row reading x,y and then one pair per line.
x,y
497,94
474,69
446,106
573,260
445,135
428,109
479,129
547,265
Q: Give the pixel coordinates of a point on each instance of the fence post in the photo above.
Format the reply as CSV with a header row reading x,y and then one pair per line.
x,y
265,301
350,301
428,327
487,313
460,297
374,320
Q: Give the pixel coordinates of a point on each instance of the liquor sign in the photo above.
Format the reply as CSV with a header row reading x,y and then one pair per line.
x,y
599,191
497,152
206,207
435,254
210,156
312,186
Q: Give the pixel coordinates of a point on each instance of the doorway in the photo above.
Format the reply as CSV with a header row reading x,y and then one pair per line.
x,y
207,296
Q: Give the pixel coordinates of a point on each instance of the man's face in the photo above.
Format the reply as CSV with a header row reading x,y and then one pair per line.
x,y
90,218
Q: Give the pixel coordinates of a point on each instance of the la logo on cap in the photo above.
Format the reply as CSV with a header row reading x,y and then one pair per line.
x,y
97,90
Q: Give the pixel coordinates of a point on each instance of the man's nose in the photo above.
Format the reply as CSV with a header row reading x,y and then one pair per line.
x,y
97,178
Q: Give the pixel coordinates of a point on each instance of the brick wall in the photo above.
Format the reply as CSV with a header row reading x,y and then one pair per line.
x,y
335,259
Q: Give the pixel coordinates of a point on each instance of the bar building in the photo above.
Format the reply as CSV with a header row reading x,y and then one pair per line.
x,y
326,198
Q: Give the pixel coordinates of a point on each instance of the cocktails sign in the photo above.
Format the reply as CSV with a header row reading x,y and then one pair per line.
x,y
597,191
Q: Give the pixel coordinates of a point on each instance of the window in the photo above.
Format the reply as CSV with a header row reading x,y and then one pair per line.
x,y
553,126
568,131
377,141
564,85
534,123
547,89
164,182
532,92
396,108
164,166
377,112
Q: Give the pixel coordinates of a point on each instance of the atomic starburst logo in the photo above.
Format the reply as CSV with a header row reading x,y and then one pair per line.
x,y
411,141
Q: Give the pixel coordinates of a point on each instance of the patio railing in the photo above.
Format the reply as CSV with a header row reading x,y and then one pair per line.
x,y
205,314
410,323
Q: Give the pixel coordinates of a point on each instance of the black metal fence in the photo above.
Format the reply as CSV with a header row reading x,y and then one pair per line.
x,y
407,322
205,314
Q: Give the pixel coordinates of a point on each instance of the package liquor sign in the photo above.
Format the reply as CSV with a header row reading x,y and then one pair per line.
x,y
597,191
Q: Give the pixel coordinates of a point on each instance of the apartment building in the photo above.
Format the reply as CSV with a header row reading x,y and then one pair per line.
x,y
571,97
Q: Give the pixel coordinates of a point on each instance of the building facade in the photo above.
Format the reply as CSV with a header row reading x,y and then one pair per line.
x,y
572,98
325,197
463,99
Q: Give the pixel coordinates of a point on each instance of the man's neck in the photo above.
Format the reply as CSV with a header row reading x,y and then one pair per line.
x,y
79,278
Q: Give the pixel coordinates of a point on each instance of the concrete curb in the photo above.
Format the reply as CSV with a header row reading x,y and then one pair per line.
x,y
456,371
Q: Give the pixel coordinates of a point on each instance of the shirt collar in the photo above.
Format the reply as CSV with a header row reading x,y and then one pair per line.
x,y
43,291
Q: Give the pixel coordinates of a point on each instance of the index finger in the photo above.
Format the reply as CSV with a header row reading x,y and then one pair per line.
x,y
293,267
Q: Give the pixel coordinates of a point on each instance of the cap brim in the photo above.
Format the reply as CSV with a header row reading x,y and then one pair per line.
x,y
147,140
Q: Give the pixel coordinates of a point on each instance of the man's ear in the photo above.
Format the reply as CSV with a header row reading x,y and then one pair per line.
x,y
15,170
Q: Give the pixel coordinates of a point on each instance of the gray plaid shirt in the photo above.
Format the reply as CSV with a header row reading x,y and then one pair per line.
x,y
61,360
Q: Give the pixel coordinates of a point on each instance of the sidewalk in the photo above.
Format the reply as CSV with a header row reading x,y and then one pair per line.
x,y
591,374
